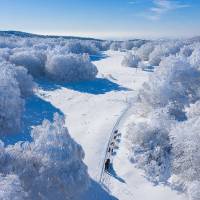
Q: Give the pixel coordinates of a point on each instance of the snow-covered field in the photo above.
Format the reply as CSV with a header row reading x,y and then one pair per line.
x,y
92,109
90,117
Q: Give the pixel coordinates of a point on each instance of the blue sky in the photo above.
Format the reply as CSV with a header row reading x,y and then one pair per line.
x,y
103,18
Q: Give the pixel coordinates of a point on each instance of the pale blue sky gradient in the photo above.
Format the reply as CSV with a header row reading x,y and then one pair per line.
x,y
103,18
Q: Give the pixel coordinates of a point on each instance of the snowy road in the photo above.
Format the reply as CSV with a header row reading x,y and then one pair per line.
x,y
108,155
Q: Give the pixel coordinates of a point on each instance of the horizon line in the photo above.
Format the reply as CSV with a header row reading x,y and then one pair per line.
x,y
98,36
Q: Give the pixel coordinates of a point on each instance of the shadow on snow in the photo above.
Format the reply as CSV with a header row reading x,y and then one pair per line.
x,y
113,173
96,86
97,192
98,57
36,110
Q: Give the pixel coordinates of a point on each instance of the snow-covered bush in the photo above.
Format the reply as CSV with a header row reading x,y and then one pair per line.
x,y
11,188
138,43
144,51
130,60
151,146
167,143
115,46
104,46
7,42
25,81
195,58
186,51
163,49
175,82
34,62
194,190
51,166
185,139
156,56
11,103
132,44
70,68
80,47
127,45
193,110
4,53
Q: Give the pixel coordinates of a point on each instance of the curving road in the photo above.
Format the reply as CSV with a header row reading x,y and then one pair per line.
x,y
104,176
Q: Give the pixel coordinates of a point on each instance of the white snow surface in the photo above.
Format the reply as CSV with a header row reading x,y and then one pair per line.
x,y
91,112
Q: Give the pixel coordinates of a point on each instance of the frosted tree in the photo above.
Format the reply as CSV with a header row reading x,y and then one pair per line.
x,y
195,58
175,82
25,81
11,103
130,60
144,51
163,49
70,68
193,110
33,62
80,47
194,190
11,188
185,140
115,46
186,50
51,166
150,145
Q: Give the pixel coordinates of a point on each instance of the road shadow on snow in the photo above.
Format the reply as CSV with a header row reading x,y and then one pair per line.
x,y
96,86
36,110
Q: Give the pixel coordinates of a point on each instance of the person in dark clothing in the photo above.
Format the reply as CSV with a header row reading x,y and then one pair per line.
x,y
112,144
107,164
